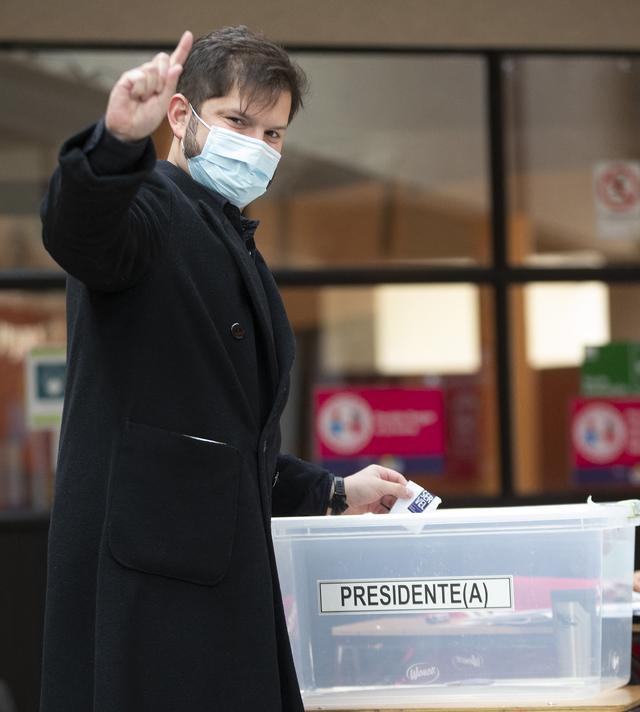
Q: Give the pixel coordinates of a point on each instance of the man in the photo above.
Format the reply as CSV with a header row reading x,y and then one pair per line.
x,y
162,590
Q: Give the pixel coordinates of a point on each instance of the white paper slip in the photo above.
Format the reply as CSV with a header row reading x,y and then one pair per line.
x,y
421,501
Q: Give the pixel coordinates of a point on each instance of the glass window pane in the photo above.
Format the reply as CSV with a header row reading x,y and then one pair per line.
x,y
573,148
28,443
386,164
391,346
23,168
54,94
576,386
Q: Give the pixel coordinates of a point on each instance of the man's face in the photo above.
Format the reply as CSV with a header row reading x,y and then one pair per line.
x,y
267,123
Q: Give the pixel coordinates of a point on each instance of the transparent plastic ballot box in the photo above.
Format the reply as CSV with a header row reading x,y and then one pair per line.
x,y
469,604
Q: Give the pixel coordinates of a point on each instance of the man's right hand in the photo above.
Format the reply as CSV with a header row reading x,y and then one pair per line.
x,y
140,98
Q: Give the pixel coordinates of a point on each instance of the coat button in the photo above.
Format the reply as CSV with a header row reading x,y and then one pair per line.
x,y
237,331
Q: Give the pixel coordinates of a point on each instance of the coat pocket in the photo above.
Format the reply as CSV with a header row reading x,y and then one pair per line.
x,y
173,504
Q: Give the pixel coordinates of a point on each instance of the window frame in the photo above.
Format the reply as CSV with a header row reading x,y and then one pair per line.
x,y
499,275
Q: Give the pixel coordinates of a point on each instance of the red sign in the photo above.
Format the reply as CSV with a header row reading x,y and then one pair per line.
x,y
618,186
463,406
605,438
357,422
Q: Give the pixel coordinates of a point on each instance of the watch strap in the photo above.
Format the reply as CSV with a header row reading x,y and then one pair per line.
x,y
338,502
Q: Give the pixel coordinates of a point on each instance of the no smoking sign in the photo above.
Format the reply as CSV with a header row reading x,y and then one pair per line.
x,y
618,186
617,199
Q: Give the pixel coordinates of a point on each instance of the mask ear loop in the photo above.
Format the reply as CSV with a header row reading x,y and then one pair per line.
x,y
195,113
273,176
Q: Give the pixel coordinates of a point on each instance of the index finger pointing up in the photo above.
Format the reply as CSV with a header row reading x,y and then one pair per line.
x,y
181,52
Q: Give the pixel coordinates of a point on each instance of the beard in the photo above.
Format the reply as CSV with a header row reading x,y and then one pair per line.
x,y
190,146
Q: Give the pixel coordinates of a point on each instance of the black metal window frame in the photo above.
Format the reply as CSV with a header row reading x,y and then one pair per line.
x,y
499,276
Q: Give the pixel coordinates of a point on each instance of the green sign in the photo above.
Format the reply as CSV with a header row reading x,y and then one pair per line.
x,y
611,370
45,382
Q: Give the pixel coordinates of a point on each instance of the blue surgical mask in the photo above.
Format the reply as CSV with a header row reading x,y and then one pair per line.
x,y
238,167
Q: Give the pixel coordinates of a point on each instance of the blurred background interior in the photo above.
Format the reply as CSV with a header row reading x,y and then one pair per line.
x,y
458,210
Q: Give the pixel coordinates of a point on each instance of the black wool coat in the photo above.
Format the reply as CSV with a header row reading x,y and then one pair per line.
x,y
162,588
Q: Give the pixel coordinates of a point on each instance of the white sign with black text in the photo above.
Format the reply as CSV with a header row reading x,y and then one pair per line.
x,y
415,594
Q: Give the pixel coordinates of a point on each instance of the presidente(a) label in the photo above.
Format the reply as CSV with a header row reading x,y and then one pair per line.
x,y
415,594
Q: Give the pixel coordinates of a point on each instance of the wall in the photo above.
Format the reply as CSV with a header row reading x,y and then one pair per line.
x,y
461,23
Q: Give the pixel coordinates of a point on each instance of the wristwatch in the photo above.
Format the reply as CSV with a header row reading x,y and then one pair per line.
x,y
338,501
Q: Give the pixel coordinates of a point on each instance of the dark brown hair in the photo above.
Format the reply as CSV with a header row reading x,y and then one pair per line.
x,y
235,56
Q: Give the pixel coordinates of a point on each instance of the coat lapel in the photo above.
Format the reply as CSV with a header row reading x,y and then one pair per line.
x,y
254,285
285,344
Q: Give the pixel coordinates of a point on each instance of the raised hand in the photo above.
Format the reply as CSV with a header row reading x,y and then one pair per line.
x,y
140,98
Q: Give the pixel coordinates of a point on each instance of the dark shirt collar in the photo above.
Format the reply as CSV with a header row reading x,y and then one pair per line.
x,y
245,227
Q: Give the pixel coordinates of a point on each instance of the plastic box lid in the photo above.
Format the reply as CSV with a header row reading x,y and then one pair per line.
x,y
588,516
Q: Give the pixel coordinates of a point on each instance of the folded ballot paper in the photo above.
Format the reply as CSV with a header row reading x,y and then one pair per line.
x,y
420,502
